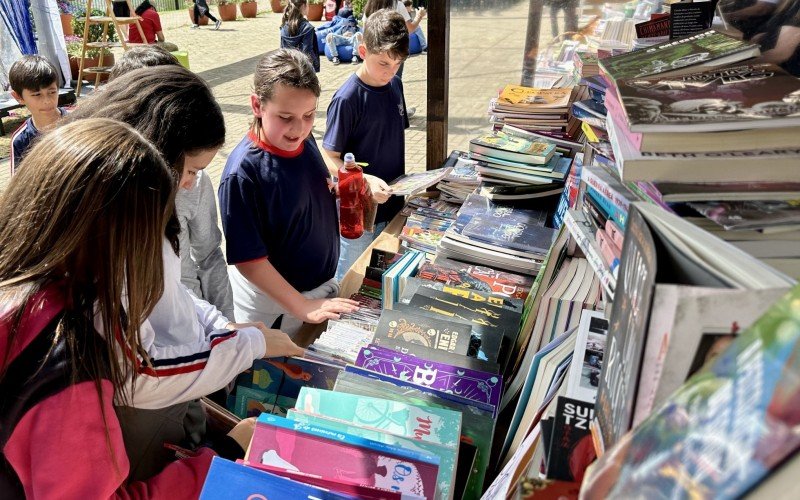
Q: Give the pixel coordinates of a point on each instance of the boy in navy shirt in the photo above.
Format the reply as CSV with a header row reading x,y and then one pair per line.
x,y
367,117
34,84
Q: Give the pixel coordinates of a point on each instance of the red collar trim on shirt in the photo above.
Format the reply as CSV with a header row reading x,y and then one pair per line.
x,y
272,149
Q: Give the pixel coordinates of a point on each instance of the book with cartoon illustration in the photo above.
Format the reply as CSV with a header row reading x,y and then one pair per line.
x,y
515,97
401,328
481,278
471,384
272,385
436,425
295,446
513,148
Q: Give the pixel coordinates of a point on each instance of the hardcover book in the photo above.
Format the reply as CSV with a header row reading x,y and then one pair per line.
x,y
726,429
435,425
286,444
707,49
447,455
401,328
728,98
471,384
228,479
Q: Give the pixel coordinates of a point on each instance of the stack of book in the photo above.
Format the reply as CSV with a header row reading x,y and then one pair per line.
x,y
461,180
538,109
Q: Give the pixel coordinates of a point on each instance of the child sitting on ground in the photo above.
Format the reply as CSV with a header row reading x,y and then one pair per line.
x,y
367,117
298,33
278,211
34,84
345,32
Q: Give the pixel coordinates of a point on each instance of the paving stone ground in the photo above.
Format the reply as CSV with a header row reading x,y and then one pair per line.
x,y
486,52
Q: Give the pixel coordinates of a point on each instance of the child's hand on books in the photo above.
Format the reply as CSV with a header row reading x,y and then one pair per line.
x,y
319,310
243,432
379,189
278,343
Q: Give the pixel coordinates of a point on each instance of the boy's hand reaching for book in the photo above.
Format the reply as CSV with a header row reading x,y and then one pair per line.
x,y
379,189
319,310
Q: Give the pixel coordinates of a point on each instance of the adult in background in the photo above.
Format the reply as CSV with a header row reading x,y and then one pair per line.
x,y
201,9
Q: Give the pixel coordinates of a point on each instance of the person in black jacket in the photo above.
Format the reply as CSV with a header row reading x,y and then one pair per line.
x,y
201,9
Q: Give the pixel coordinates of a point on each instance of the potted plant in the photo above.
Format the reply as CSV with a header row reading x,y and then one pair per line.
x,y
227,9
315,10
277,5
91,59
65,9
95,30
248,8
203,19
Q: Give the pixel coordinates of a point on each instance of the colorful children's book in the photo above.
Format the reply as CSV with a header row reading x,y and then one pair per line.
x,y
508,147
286,444
436,425
447,454
401,328
228,479
477,425
731,425
272,385
471,384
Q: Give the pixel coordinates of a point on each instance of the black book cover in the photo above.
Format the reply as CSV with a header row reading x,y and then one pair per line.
x,y
547,436
464,465
571,449
497,328
397,329
382,259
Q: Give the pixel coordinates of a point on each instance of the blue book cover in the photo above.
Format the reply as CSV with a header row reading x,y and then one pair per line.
x,y
609,209
234,481
523,231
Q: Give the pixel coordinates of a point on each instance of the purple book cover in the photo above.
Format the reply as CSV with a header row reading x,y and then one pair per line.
x,y
285,444
470,384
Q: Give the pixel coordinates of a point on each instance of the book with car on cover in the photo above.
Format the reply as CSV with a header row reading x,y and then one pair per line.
x,y
287,444
692,53
481,278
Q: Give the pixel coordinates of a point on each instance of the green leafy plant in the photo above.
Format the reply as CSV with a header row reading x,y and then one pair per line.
x,y
358,7
95,30
315,2
75,45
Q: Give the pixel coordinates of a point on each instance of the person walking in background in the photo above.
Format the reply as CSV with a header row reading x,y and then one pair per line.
x,y
201,9
570,15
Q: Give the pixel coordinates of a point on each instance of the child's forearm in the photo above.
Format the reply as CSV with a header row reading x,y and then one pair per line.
x,y
263,274
333,160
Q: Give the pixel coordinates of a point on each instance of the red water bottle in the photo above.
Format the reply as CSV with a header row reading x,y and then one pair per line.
x,y
351,187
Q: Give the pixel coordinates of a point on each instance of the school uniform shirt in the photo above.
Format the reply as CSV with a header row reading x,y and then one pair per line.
x,y
22,138
278,205
150,23
370,122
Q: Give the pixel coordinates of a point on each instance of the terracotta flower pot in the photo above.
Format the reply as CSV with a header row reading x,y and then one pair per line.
x,y
249,9
203,19
227,12
315,11
66,24
276,6
74,66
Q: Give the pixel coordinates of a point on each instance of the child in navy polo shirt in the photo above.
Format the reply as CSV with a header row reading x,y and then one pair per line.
x,y
278,211
367,117
34,84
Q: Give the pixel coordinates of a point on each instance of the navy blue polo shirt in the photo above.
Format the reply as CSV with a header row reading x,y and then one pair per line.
x,y
278,204
370,122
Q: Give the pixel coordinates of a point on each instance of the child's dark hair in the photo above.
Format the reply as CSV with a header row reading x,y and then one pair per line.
x,y
143,56
385,32
170,106
373,6
293,16
31,73
143,7
408,3
288,67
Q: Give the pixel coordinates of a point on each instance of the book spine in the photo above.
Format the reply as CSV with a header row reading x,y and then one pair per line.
x,y
614,212
608,252
617,113
611,193
592,253
615,234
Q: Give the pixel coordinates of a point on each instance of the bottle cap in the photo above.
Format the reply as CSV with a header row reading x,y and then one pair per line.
x,y
348,158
